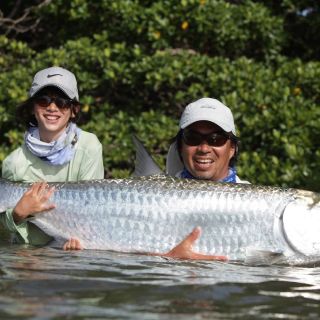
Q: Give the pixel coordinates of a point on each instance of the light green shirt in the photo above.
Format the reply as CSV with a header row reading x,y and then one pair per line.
x,y
22,165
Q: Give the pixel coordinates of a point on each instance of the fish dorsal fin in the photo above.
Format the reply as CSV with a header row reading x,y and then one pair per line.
x,y
144,164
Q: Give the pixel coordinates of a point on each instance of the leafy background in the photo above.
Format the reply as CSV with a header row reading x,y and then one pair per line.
x,y
139,63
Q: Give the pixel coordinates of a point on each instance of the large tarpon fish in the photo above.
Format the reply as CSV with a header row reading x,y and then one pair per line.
x,y
153,214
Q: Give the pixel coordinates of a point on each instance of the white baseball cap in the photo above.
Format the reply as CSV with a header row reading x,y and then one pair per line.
x,y
204,109
55,77
208,109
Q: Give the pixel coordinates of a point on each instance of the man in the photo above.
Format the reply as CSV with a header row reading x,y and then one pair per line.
x,y
206,145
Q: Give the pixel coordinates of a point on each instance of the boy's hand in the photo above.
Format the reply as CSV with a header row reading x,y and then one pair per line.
x,y
72,244
34,200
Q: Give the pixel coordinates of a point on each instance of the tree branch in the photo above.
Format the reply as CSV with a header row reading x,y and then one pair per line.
x,y
17,22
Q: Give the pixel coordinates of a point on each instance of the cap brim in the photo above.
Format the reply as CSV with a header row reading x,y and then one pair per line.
x,y
68,93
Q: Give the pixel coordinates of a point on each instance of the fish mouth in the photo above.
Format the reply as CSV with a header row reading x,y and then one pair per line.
x,y
297,217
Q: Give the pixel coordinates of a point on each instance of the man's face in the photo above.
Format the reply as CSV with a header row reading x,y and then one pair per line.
x,y
204,161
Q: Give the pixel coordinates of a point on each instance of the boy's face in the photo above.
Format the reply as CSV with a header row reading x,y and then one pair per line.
x,y
53,112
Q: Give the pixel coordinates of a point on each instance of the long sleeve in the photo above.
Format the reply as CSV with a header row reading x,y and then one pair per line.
x,y
24,232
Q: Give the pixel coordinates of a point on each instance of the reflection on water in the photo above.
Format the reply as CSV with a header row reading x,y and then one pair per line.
x,y
44,283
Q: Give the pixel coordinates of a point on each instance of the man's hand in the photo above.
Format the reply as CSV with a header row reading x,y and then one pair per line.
x,y
184,249
34,200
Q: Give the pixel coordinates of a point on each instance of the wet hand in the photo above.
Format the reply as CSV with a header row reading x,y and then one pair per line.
x,y
33,201
184,250
72,244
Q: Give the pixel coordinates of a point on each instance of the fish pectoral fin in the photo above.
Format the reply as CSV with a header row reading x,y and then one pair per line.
x,y
144,163
260,257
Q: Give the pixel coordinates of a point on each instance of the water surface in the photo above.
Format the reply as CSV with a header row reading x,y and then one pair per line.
x,y
46,283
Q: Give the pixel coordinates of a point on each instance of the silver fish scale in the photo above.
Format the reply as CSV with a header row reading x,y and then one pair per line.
x,y
154,214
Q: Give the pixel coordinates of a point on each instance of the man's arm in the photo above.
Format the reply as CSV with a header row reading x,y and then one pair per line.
x,y
184,250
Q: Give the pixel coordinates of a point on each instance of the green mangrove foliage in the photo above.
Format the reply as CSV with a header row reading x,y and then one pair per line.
x,y
139,63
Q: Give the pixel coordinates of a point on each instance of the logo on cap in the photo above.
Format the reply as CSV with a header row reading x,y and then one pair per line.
x,y
208,107
53,75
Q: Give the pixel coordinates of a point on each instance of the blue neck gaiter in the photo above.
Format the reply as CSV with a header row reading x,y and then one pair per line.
x,y
57,152
231,177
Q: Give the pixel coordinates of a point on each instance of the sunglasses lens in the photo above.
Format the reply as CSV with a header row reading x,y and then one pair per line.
x,y
45,101
192,138
215,139
62,103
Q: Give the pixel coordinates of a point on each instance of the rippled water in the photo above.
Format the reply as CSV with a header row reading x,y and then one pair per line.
x,y
45,283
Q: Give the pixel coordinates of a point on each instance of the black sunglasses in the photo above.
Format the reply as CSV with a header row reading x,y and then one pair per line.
x,y
61,103
214,139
